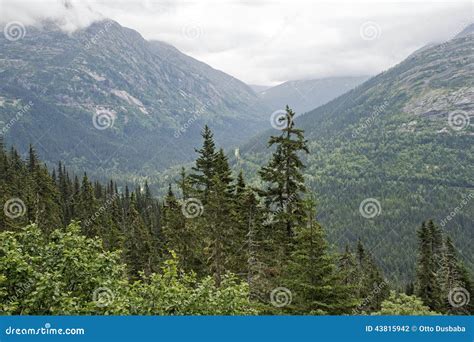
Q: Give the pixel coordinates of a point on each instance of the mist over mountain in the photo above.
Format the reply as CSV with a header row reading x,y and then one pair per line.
x,y
104,97
106,101
305,95
404,140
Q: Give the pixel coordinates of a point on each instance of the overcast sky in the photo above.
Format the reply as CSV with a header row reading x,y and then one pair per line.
x,y
269,42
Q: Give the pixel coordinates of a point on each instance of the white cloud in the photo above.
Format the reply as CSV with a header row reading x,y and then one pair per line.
x,y
267,42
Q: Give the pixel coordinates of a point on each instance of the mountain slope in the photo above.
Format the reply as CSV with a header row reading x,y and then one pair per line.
x,y
106,98
402,141
306,95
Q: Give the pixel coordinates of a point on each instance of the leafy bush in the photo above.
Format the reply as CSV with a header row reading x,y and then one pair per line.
x,y
68,273
402,304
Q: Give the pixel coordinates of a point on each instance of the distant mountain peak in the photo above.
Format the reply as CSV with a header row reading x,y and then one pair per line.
x,y
305,95
153,94
469,30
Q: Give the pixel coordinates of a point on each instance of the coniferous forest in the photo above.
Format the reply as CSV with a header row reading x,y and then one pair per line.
x,y
214,244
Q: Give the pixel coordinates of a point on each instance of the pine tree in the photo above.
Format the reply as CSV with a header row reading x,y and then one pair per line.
x,y
286,186
372,289
453,276
312,274
348,267
87,207
427,285
204,169
138,249
218,228
43,198
176,231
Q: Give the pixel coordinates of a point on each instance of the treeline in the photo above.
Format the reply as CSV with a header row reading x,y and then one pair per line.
x,y
213,236
125,220
442,281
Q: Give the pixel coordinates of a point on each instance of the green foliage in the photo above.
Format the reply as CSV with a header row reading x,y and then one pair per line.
x,y
127,221
440,274
390,139
122,258
56,276
174,292
72,274
155,93
402,304
313,276
284,176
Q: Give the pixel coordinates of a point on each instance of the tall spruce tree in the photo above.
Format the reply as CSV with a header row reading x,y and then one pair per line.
x,y
454,277
284,176
312,273
204,169
427,285
372,289
176,230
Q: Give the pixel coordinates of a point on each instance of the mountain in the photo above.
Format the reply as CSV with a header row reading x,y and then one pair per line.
x,y
393,152
469,30
104,98
258,88
306,95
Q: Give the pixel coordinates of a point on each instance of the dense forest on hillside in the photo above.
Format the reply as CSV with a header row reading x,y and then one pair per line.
x,y
212,245
405,138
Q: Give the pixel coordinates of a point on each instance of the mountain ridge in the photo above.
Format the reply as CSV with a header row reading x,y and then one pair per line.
x,y
306,95
404,140
149,93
